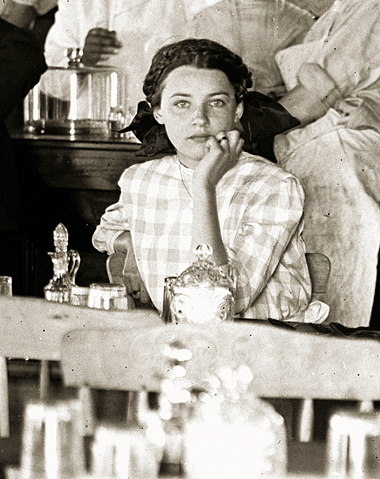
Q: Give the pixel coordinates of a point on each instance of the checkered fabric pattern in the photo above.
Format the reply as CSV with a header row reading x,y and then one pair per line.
x,y
260,209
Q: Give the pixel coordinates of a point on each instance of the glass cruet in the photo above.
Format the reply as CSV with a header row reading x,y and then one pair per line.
x,y
65,267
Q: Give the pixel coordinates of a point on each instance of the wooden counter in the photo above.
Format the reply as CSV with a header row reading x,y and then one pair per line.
x,y
70,180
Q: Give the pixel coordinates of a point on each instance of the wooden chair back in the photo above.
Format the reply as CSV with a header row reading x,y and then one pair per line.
x,y
284,363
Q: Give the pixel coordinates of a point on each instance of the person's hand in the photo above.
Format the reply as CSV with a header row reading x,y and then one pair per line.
x,y
222,153
132,279
99,45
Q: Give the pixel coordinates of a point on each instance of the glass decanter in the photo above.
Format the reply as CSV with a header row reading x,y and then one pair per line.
x,y
65,267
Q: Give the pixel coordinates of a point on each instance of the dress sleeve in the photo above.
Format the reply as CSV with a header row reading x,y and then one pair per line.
x,y
270,222
113,222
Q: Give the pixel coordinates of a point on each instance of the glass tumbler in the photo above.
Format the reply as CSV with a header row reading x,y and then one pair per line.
x,y
122,453
5,286
353,444
109,296
79,295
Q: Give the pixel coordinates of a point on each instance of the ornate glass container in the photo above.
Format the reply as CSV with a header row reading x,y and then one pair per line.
x,y
203,293
76,100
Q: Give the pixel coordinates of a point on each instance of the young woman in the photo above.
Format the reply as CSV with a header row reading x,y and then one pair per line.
x,y
208,190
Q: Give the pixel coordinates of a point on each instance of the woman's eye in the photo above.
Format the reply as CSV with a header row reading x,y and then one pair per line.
x,y
182,104
217,103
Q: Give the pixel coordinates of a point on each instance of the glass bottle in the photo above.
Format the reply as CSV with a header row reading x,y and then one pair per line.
x,y
65,267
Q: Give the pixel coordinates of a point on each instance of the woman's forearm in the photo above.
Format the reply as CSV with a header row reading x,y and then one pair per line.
x,y
314,94
206,228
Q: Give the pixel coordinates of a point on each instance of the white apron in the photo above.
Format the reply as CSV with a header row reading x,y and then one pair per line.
x,y
340,170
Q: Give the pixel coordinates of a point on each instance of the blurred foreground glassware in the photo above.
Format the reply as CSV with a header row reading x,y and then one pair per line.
x,y
230,434
123,452
6,286
353,445
203,293
215,427
52,446
65,267
5,290
109,296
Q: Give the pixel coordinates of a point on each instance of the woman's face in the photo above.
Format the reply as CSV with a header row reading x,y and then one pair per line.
x,y
196,104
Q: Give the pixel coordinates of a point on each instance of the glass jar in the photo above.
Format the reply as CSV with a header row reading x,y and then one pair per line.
x,y
203,293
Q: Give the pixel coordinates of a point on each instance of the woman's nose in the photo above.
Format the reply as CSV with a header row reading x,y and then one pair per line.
x,y
200,116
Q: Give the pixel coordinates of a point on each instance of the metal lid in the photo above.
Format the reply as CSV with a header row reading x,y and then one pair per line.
x,y
203,272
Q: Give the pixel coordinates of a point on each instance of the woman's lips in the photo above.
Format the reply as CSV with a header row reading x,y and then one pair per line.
x,y
199,138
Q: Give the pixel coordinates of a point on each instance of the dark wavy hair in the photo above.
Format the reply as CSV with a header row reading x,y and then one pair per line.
x,y
199,53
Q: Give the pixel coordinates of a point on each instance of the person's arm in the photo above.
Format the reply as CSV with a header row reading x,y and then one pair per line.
x,y
77,25
19,15
113,236
314,95
270,221
220,158
23,13
22,64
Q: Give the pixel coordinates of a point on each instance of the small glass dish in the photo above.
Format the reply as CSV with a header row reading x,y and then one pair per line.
x,y
109,296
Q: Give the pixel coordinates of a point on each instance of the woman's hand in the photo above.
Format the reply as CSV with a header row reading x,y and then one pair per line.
x,y
131,274
222,154
99,45
132,279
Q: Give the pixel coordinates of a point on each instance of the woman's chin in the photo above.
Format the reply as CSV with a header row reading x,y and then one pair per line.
x,y
192,156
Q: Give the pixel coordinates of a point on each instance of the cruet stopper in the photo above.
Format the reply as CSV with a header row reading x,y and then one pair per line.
x,y
65,267
203,293
61,238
